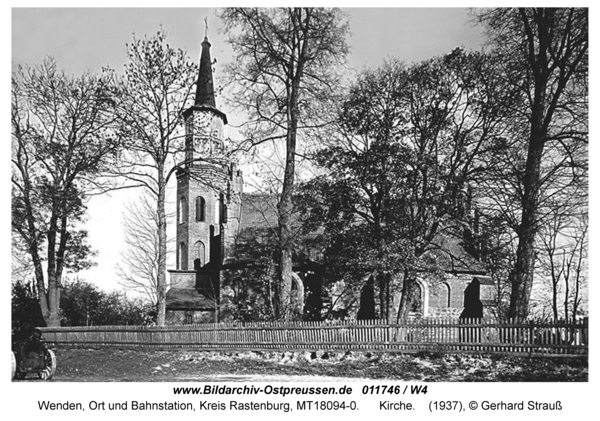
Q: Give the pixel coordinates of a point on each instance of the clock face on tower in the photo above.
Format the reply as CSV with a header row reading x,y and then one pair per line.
x,y
207,134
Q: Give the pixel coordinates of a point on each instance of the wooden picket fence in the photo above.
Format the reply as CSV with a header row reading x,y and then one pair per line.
x,y
429,335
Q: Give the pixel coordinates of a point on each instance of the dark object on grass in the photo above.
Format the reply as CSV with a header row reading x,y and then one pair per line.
x,y
33,356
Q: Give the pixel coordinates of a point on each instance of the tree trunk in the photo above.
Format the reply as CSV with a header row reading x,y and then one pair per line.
x,y
161,281
408,285
271,304
555,281
576,294
285,206
381,286
52,317
33,248
567,278
285,240
388,298
522,274
39,280
383,283
578,278
51,314
522,279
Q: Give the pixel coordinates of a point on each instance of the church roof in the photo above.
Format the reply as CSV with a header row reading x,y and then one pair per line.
x,y
453,257
259,211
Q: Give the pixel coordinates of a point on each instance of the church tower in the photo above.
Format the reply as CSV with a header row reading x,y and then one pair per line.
x,y
209,189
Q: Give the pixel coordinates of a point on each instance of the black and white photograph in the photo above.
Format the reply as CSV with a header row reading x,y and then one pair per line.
x,y
264,205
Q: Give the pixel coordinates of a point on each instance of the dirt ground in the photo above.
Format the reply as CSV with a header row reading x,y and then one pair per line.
x,y
108,365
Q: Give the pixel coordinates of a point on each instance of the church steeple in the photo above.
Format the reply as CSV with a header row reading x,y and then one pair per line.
x,y
205,90
204,122
209,189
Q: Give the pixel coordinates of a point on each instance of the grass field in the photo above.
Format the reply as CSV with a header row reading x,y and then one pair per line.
x,y
105,365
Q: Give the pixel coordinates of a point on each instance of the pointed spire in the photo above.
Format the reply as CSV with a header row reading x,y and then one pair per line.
x,y
205,90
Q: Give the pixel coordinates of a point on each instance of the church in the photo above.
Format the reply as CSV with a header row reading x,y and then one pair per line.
x,y
214,214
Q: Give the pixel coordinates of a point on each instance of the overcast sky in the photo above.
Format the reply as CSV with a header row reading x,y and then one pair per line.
x,y
90,38
94,37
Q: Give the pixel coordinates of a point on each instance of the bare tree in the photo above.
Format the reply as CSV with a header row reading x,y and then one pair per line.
x,y
63,139
546,57
563,256
285,64
158,86
139,271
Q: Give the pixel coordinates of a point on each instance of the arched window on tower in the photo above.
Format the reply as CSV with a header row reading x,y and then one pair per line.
x,y
181,210
222,209
224,214
200,209
217,212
